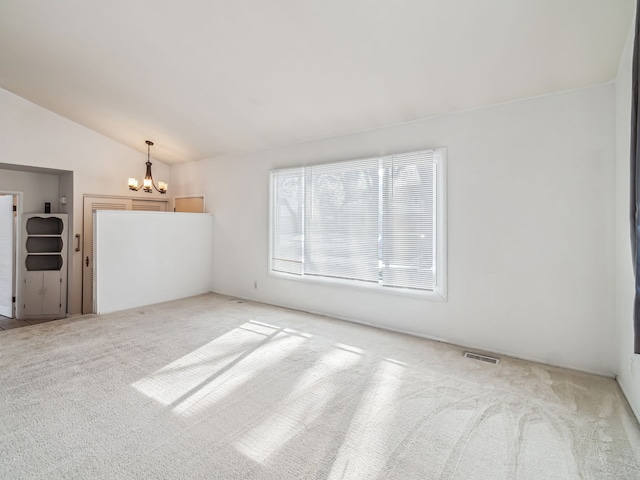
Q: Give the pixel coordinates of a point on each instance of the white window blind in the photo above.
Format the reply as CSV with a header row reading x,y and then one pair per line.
x,y
287,189
408,226
373,221
341,220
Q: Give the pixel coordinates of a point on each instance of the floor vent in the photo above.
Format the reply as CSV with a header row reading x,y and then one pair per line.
x,y
482,358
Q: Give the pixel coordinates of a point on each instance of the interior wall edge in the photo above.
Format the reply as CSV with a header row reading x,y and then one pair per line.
x,y
626,392
628,362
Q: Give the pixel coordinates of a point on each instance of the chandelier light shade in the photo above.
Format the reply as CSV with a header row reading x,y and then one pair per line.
x,y
147,184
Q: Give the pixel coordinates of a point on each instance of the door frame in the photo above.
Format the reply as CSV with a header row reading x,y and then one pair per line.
x,y
16,239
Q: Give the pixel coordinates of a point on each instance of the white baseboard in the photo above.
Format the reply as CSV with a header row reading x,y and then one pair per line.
x,y
429,337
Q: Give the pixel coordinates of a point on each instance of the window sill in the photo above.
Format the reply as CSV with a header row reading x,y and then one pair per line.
x,y
438,295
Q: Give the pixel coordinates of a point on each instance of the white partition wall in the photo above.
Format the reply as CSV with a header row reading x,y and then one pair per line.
x,y
142,258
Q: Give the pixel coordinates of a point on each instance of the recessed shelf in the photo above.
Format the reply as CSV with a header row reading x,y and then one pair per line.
x,y
44,226
43,266
43,262
43,244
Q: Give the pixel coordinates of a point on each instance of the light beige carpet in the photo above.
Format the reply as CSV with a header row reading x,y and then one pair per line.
x,y
211,388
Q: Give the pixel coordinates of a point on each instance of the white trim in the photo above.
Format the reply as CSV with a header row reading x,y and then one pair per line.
x,y
270,221
434,295
441,224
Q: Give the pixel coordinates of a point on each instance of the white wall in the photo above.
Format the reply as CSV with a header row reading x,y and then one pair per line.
x,y
33,136
629,364
142,258
530,196
37,188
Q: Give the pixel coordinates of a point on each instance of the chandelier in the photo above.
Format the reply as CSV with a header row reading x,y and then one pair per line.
x,y
148,184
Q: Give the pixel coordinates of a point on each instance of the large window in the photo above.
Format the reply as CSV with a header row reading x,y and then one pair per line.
x,y
378,221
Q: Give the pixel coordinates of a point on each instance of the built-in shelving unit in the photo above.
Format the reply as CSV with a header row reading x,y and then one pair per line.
x,y
43,282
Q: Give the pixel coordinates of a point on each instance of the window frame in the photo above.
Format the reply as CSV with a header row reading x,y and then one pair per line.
x,y
439,293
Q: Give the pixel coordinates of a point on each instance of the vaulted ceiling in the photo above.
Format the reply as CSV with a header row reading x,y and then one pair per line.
x,y
208,78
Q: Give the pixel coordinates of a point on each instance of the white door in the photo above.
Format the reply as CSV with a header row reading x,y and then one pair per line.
x,y
91,204
6,255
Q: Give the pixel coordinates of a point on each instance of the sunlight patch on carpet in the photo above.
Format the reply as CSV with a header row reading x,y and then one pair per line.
x,y
214,371
306,402
364,451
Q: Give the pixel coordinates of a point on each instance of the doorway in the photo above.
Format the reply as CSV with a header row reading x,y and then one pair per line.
x,y
10,206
